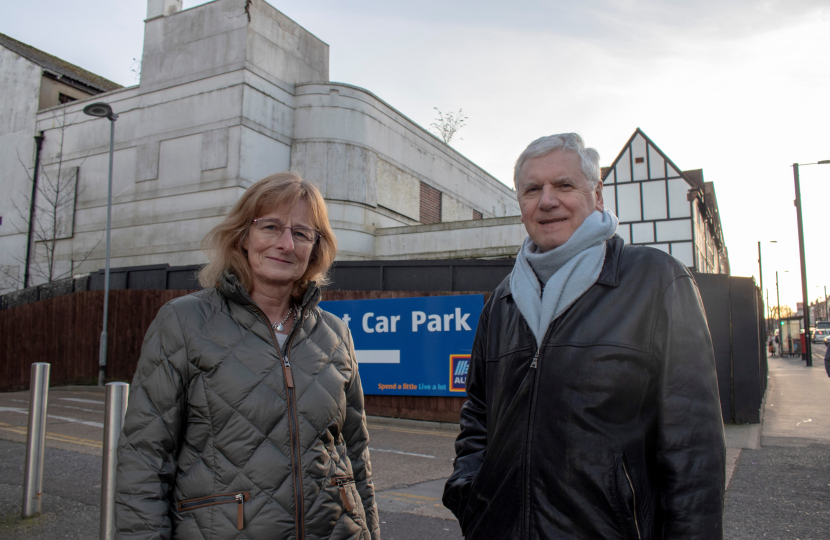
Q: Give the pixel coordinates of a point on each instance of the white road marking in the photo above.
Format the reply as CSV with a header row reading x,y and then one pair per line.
x,y
64,418
399,452
82,400
63,406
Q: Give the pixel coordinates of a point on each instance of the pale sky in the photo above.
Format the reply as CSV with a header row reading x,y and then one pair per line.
x,y
739,89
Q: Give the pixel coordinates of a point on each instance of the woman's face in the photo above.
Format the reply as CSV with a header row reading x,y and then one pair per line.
x,y
279,261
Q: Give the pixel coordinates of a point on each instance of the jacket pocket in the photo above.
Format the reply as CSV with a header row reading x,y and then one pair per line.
x,y
343,484
223,498
626,495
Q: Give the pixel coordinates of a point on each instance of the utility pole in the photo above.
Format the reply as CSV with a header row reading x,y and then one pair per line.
x,y
778,299
808,343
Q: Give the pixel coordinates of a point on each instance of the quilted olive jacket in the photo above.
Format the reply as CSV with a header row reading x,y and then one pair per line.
x,y
228,437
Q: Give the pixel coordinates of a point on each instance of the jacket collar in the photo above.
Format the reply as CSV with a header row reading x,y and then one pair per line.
x,y
610,273
232,289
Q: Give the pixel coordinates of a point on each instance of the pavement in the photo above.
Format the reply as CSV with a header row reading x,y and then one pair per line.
x,y
781,489
778,472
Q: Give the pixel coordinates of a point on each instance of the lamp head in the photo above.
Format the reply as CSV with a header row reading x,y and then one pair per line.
x,y
101,110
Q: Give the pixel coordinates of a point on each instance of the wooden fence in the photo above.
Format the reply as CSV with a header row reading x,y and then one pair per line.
x,y
65,332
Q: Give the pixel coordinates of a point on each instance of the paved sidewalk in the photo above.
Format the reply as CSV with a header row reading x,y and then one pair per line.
x,y
782,489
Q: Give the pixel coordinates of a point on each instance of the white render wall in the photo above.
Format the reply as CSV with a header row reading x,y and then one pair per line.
x,y
17,155
358,149
224,101
481,238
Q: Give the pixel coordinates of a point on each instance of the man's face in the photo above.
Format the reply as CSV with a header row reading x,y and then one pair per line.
x,y
555,197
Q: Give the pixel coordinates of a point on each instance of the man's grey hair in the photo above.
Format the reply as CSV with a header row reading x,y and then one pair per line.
x,y
543,146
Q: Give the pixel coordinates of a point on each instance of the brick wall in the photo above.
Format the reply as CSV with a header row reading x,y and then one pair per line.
x,y
430,204
477,214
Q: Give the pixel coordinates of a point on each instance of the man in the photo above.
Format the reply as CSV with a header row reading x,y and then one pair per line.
x,y
592,407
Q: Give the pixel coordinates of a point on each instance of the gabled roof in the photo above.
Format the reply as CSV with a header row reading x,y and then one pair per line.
x,y
695,180
691,179
695,176
60,69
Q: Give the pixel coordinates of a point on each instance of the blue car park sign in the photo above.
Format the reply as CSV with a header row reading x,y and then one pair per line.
x,y
412,346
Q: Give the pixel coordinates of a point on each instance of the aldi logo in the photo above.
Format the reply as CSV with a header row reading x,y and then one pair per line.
x,y
459,364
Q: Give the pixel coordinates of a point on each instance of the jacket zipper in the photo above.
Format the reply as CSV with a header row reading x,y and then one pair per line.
x,y
341,482
533,365
224,498
292,420
634,495
536,357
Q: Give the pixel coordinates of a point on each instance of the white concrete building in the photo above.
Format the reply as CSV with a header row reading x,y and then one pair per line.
x,y
30,80
232,91
661,206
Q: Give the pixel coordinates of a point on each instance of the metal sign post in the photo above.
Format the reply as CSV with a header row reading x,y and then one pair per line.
x,y
115,408
35,440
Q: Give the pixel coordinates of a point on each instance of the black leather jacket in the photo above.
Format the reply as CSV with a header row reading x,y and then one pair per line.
x,y
612,429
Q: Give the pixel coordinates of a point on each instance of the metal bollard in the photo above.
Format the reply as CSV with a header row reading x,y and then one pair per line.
x,y
35,440
116,408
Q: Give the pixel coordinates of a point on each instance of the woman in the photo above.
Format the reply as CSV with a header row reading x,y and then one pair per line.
x,y
245,417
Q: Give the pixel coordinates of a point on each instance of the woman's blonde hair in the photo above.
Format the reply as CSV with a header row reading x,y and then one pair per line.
x,y
223,244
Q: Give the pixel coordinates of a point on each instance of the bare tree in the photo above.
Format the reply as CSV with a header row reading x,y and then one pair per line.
x,y
447,125
136,69
786,311
53,217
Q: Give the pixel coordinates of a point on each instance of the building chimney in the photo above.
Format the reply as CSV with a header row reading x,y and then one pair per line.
x,y
162,8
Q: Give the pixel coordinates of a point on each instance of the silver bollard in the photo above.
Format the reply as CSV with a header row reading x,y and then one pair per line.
x,y
116,408
35,440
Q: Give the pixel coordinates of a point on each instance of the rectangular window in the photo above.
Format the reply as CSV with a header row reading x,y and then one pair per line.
x,y
477,214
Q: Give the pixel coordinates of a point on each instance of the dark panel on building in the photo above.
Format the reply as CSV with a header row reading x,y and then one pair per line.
x,y
746,363
417,278
118,279
356,278
480,278
714,291
151,278
438,275
183,277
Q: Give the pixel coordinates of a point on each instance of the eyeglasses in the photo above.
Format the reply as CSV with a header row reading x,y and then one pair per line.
x,y
273,228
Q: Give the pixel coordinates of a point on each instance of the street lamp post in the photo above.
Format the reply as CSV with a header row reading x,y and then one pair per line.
x,y
103,110
805,301
760,273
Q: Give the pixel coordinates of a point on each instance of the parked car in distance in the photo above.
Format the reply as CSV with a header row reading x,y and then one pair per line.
x,y
819,335
826,340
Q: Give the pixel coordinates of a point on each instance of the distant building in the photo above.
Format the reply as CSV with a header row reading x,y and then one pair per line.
x,y
30,81
231,92
663,207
